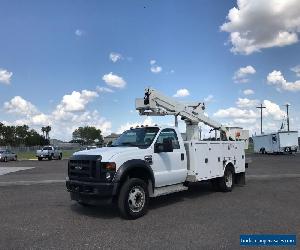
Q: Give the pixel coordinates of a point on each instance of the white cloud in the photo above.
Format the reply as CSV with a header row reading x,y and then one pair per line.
x,y
154,67
296,69
233,112
114,80
276,78
182,93
209,98
76,101
248,92
246,103
5,76
68,115
40,119
147,121
79,32
244,121
114,57
257,24
272,109
20,106
104,90
240,76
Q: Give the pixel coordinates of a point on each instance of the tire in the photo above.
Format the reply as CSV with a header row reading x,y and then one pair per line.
x,y
60,157
50,158
5,159
133,199
40,158
215,184
84,204
226,182
16,158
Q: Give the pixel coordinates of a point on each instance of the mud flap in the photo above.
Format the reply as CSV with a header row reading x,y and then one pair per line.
x,y
240,179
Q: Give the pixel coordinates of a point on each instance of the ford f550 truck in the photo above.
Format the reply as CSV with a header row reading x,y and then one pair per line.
x,y
152,161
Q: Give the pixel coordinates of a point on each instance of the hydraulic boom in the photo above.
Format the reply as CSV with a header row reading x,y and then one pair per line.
x,y
156,104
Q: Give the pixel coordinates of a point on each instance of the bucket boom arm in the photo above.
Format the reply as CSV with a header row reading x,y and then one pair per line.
x,y
156,104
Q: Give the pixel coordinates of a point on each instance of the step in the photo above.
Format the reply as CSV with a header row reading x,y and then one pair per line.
x,y
169,189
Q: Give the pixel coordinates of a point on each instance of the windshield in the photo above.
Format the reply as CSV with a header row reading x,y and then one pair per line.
x,y
47,148
138,137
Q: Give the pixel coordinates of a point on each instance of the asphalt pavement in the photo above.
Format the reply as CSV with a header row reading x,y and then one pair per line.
x,y
36,211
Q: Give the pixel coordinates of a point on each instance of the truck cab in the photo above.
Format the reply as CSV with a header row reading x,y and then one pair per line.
x,y
155,155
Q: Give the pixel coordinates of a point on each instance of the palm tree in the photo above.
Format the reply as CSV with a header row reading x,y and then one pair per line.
x,y
47,130
43,130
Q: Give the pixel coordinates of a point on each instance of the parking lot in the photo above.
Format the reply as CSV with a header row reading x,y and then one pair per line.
x,y
36,212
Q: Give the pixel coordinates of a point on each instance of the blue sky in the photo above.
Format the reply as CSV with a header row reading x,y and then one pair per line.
x,y
50,49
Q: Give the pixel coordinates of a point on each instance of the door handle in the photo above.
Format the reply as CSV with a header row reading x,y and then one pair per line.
x,y
182,156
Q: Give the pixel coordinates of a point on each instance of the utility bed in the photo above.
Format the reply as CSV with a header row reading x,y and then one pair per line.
x,y
207,159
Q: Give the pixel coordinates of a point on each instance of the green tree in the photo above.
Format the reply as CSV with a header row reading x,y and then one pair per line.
x,y
87,135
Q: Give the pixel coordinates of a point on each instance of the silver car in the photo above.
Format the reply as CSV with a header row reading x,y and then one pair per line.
x,y
6,155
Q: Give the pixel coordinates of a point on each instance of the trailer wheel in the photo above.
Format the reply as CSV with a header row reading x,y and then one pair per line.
x,y
226,182
133,199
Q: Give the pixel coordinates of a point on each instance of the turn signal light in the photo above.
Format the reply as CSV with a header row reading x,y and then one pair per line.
x,y
110,166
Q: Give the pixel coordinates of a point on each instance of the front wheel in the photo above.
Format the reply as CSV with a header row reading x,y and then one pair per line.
x,y
133,199
226,182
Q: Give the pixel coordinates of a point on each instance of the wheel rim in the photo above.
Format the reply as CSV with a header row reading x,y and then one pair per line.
x,y
228,179
136,199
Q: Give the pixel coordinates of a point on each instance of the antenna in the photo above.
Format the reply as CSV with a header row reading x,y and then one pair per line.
x,y
287,116
261,107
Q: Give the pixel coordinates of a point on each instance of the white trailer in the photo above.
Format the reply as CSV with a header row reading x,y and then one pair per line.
x,y
278,142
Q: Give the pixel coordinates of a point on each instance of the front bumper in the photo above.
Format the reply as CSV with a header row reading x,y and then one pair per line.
x,y
91,192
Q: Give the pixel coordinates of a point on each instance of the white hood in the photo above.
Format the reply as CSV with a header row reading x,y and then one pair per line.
x,y
107,152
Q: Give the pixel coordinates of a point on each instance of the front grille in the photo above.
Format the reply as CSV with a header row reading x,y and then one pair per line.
x,y
84,168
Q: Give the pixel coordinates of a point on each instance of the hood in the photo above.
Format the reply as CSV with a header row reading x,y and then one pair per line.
x,y
107,152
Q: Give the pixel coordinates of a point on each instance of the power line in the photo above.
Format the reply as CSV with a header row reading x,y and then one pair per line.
x,y
287,116
261,107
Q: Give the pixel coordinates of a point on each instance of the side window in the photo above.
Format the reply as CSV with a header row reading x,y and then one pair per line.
x,y
168,133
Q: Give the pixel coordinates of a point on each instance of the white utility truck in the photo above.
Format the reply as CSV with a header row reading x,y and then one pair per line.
x,y
278,142
151,161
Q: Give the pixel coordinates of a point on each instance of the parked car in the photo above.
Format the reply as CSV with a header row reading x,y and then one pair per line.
x,y
6,155
89,147
49,152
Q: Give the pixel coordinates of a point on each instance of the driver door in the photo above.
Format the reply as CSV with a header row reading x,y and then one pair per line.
x,y
169,167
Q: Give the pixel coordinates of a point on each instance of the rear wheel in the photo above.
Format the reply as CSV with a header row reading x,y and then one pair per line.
x,y
5,159
60,157
50,158
16,158
133,199
226,182
40,158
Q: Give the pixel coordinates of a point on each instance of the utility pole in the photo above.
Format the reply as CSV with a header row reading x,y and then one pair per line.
x,y
287,116
261,107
